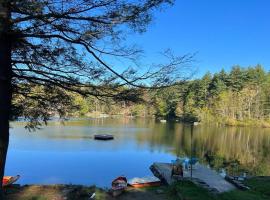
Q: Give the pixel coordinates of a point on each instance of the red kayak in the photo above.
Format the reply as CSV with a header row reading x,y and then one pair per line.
x,y
8,180
119,185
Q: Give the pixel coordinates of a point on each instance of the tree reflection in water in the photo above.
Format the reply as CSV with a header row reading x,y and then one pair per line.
x,y
237,149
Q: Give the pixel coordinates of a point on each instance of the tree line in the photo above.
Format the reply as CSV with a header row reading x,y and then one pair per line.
x,y
238,97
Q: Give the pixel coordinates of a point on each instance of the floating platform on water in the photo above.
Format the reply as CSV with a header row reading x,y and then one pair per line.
x,y
201,175
103,137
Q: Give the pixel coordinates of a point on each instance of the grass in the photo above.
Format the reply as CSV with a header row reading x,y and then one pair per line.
x,y
188,190
260,190
246,122
260,185
78,192
44,192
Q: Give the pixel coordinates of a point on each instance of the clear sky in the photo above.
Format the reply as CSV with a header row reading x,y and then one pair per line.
x,y
222,32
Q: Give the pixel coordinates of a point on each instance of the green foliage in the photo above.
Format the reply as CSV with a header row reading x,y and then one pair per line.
x,y
138,110
82,104
237,78
57,47
239,97
165,102
216,86
40,103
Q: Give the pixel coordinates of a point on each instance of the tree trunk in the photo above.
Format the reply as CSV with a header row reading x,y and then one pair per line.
x,y
5,86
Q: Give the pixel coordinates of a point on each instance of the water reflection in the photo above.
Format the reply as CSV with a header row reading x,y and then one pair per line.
x,y
238,149
68,154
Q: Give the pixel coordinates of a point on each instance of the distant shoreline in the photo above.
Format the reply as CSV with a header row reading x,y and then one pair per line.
x,y
219,121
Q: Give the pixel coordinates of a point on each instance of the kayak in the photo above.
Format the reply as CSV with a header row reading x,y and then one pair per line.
x,y
119,185
144,182
8,180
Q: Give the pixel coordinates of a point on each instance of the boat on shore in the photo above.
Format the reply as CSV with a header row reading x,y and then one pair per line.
x,y
119,185
103,137
9,180
144,182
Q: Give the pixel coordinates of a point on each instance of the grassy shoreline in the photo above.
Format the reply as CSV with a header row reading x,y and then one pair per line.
x,y
181,190
218,121
250,123
79,192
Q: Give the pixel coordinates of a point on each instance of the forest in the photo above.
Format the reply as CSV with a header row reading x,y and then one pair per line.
x,y
240,97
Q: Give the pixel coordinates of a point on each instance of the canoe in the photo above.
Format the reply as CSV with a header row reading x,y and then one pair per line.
x,y
8,180
119,185
144,182
103,137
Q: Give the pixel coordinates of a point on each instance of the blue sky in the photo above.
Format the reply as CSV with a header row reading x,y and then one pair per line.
x,y
223,33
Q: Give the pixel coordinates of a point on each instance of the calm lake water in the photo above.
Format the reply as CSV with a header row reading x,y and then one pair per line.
x,y
68,153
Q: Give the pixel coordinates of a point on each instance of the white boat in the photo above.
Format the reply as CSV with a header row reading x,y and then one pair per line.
x,y
144,182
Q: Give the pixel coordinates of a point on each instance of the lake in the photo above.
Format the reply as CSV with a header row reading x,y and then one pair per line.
x,y
68,153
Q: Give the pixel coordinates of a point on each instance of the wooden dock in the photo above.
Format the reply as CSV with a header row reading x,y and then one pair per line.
x,y
201,175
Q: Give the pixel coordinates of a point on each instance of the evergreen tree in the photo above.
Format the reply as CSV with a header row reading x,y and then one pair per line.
x,y
237,78
65,45
216,86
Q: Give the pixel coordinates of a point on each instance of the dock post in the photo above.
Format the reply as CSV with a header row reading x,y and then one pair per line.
x,y
191,145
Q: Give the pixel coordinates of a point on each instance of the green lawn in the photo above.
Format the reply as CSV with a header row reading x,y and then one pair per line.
x,y
260,190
